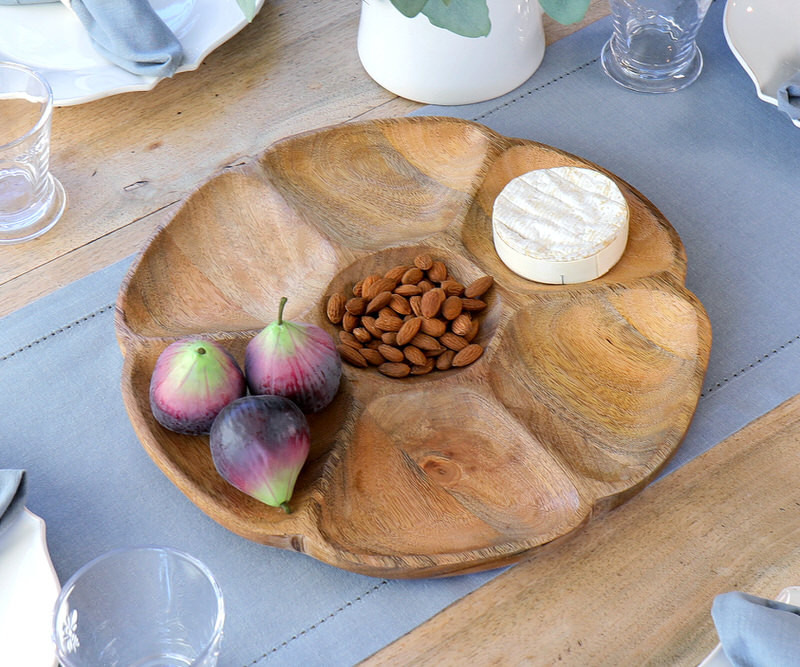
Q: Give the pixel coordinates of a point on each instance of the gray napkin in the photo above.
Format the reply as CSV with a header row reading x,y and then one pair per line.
x,y
757,632
127,32
789,97
12,496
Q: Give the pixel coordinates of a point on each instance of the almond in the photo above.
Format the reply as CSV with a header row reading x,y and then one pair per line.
x,y
394,370
409,329
351,356
373,357
378,286
356,305
451,308
380,300
362,335
477,288
453,341
399,304
412,276
452,288
473,331
349,339
425,342
390,353
416,305
389,337
357,288
349,321
432,301
425,285
423,262
369,324
461,325
336,308
396,273
415,355
366,283
389,323
408,290
466,356
433,326
423,369
473,305
438,272
445,360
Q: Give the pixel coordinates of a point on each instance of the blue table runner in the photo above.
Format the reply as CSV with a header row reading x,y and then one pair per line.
x,y
721,165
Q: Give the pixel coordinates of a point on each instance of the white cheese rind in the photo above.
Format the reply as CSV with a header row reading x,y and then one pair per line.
x,y
560,225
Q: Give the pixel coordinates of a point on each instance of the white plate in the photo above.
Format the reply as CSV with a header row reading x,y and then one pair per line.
x,y
717,657
50,39
764,35
27,595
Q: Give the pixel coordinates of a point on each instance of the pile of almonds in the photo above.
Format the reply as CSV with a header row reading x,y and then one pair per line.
x,y
411,320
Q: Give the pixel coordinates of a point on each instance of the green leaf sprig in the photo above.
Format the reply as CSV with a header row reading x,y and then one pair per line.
x,y
470,18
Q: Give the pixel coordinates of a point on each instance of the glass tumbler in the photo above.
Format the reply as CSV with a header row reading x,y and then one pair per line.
x,y
652,48
139,607
31,198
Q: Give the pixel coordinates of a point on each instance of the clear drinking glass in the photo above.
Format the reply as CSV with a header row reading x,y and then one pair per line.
x,y
139,607
653,48
31,198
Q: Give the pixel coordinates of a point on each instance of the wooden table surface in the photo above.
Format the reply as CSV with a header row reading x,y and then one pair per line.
x,y
635,588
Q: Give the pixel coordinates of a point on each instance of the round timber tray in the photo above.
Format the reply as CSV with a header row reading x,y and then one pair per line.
x,y
582,394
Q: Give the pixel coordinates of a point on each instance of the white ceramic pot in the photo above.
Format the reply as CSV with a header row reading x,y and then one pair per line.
x,y
418,61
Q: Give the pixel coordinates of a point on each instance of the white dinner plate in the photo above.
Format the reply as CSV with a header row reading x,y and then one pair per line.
x,y
27,595
50,39
764,35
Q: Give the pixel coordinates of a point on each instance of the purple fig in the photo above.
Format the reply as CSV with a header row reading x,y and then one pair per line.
x,y
259,444
295,360
192,381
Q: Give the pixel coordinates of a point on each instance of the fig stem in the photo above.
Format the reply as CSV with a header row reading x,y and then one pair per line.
x,y
285,505
280,309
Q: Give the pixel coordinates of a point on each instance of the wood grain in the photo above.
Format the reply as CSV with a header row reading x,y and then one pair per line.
x,y
637,587
125,158
583,392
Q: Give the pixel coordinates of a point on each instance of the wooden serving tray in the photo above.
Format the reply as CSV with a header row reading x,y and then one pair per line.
x,y
583,392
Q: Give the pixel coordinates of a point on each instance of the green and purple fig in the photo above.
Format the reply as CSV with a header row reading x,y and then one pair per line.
x,y
296,360
259,444
192,381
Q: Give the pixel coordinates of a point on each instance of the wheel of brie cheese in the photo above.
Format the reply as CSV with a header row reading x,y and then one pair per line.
x,y
560,225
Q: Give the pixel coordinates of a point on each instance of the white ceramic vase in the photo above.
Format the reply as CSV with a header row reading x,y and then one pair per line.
x,y
418,61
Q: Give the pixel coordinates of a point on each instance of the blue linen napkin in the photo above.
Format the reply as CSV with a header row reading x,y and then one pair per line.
x,y
757,632
12,496
127,32
789,97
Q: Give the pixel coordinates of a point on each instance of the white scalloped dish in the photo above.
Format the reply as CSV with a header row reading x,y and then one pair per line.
x,y
764,35
28,593
50,39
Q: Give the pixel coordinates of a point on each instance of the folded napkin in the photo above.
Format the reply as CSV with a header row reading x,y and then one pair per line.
x,y
757,632
127,32
12,496
789,97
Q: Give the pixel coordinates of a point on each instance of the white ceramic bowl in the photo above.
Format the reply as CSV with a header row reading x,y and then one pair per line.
x,y
764,35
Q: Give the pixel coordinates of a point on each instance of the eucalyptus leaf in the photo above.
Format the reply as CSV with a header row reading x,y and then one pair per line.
x,y
565,11
469,18
409,8
248,8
